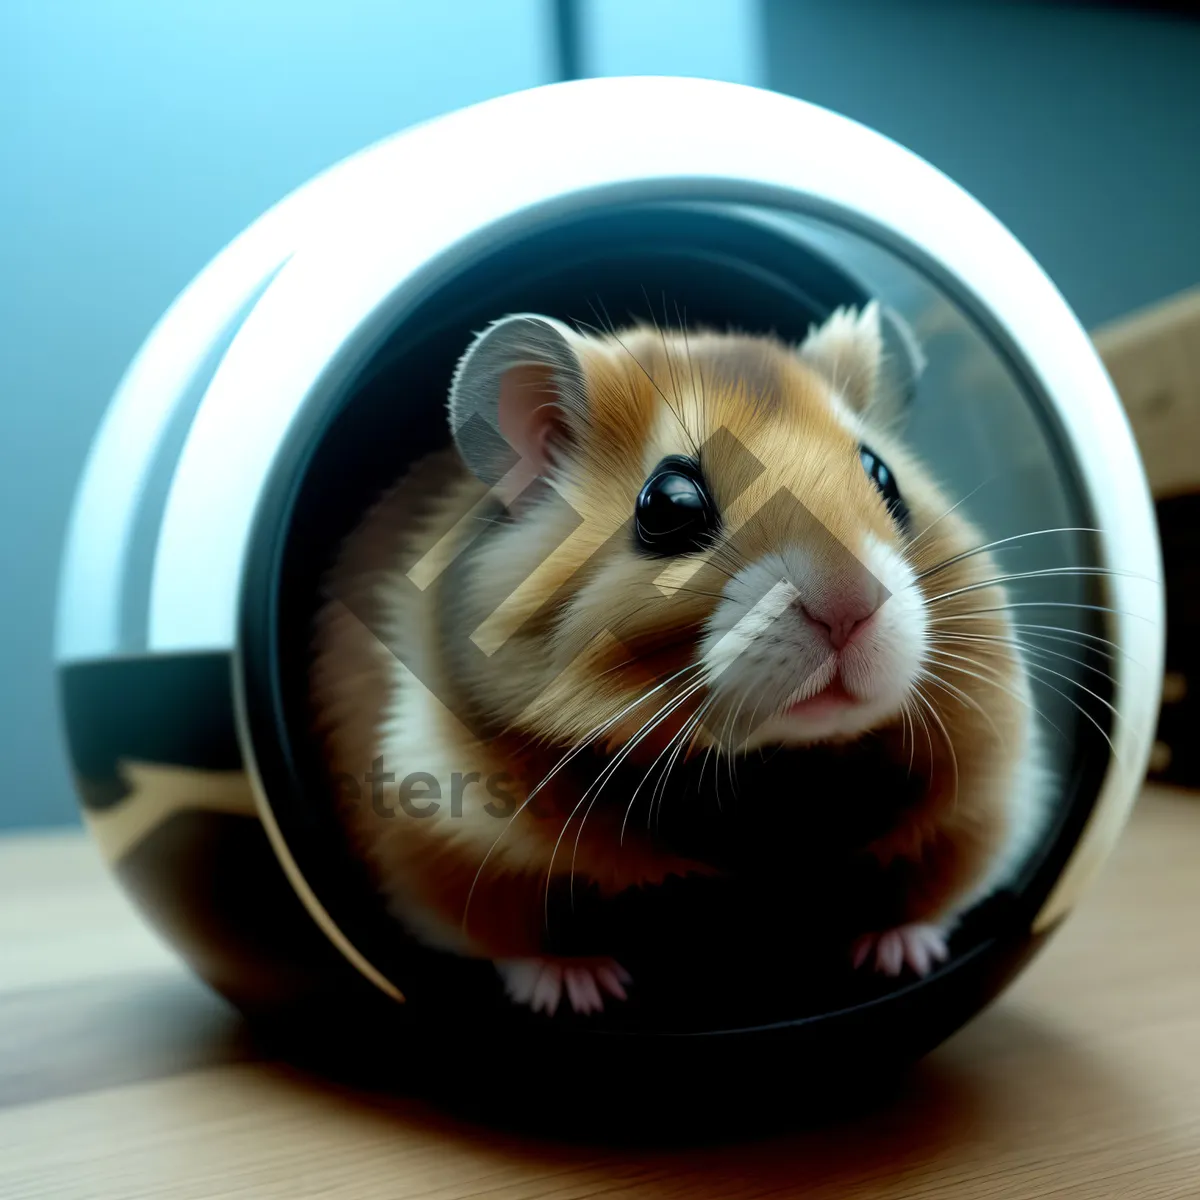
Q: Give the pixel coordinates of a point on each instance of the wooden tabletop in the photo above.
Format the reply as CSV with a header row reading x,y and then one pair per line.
x,y
121,1077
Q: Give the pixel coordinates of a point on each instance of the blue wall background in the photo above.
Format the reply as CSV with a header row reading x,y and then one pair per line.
x,y
138,136
1077,125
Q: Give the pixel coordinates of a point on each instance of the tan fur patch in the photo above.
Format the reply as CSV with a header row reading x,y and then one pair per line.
x,y
578,625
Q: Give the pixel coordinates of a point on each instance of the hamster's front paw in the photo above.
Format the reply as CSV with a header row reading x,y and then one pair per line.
x,y
915,946
540,982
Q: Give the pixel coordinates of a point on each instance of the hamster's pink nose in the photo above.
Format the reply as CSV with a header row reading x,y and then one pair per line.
x,y
841,615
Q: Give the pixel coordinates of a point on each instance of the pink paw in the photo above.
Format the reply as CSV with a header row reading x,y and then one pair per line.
x,y
540,982
915,946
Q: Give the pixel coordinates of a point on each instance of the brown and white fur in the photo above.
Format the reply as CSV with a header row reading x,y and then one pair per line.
x,y
809,622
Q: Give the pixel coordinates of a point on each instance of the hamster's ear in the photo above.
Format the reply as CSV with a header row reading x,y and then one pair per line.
x,y
518,394
848,351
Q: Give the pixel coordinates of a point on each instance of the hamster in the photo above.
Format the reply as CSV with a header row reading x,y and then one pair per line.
x,y
645,546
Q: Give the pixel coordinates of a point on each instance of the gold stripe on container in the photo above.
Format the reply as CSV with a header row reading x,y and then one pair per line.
x,y
156,792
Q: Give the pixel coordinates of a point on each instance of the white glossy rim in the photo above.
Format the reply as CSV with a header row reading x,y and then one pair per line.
x,y
96,576
459,179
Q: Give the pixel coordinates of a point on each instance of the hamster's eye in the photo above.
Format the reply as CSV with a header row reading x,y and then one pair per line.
x,y
674,512
881,476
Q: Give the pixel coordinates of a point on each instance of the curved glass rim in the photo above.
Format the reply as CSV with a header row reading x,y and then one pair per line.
x,y
336,396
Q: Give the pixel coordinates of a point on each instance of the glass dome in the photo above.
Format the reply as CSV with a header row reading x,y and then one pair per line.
x,y
310,365
974,415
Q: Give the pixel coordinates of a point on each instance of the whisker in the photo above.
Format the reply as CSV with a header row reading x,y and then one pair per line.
x,y
1024,647
654,384
1081,639
1104,608
754,716
733,752
1025,701
1047,573
602,778
1075,703
724,557
578,748
963,697
928,736
726,741
907,724
1081,686
945,734
641,784
681,739
913,541
1036,630
1019,537
669,749
1106,648
687,346
662,336
686,639
708,753
686,591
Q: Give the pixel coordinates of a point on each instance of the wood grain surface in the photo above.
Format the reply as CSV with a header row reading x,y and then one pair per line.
x,y
122,1077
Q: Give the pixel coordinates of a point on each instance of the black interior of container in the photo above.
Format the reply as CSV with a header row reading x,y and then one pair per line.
x,y
705,961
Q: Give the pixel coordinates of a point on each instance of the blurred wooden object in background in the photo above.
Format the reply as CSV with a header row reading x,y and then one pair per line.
x,y
1153,357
